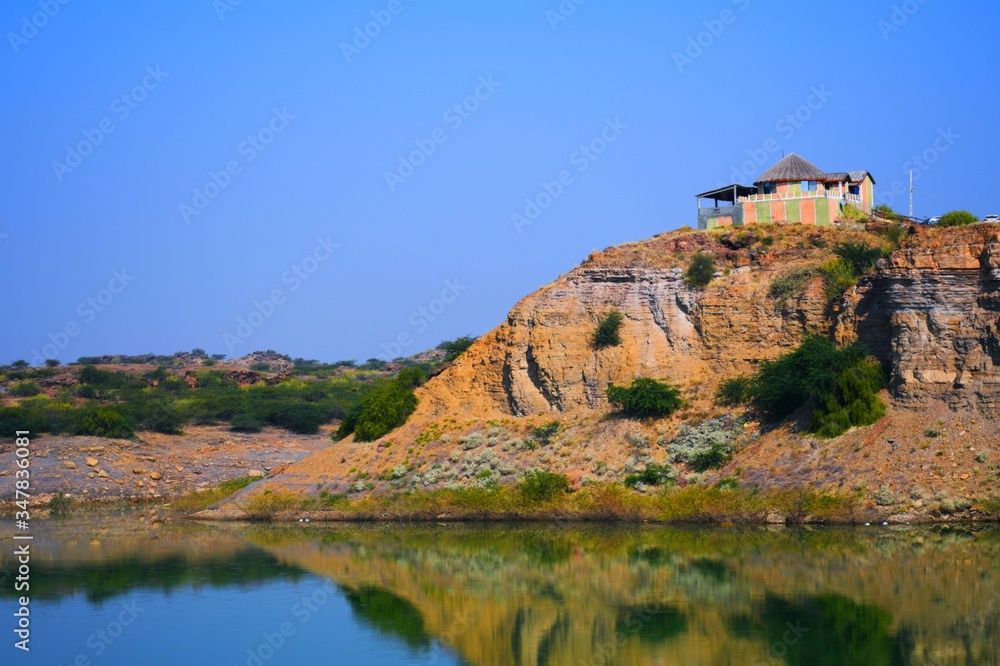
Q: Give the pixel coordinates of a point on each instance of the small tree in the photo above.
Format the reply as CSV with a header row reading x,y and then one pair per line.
x,y
957,218
700,271
19,365
606,334
645,398
51,363
455,348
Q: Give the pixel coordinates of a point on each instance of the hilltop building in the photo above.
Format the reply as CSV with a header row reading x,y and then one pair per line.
x,y
793,191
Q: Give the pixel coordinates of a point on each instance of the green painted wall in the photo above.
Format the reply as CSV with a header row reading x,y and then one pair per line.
x,y
763,212
793,211
822,212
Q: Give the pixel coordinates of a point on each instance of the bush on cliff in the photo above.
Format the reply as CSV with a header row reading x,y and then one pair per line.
x,y
700,271
842,383
606,334
384,409
957,218
645,398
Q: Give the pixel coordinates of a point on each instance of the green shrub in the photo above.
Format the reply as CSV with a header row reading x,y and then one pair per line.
x,y
60,505
699,271
411,377
714,457
543,435
645,398
52,363
791,283
653,475
455,348
843,383
104,422
384,409
734,391
245,423
103,379
261,366
156,415
606,334
838,277
538,486
957,218
860,256
25,389
853,401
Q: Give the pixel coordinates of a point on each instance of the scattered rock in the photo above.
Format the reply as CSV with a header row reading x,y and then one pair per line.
x,y
141,483
155,476
255,474
91,475
102,474
775,519
179,468
92,462
138,470
69,464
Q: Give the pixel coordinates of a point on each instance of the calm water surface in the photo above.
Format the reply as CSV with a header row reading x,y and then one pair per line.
x,y
542,595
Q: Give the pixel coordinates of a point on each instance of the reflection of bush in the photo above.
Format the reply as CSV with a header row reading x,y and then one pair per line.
x,y
651,623
389,614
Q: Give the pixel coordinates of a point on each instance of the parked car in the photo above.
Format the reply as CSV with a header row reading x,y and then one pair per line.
x,y
991,218
932,220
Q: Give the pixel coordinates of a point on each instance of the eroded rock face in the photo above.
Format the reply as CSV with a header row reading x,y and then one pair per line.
x,y
542,360
933,315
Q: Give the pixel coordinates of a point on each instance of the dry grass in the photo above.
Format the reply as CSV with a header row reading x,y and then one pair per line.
x,y
600,501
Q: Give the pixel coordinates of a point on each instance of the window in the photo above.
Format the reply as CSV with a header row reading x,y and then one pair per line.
x,y
855,189
808,185
770,188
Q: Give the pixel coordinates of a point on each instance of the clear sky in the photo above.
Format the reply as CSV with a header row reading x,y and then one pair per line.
x,y
229,158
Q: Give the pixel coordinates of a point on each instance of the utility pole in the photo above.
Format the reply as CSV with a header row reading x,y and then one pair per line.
x,y
911,192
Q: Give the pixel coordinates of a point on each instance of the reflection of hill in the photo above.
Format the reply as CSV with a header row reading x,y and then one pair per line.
x,y
551,595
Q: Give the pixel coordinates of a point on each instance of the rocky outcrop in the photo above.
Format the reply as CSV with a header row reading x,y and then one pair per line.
x,y
541,359
932,314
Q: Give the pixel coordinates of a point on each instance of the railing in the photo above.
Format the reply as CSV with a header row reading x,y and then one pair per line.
x,y
774,196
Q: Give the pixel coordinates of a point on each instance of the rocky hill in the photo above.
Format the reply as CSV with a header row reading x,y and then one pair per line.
x,y
928,312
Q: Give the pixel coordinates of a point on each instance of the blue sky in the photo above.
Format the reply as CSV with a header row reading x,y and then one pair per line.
x,y
265,175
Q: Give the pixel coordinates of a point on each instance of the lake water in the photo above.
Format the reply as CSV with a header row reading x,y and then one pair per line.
x,y
535,595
